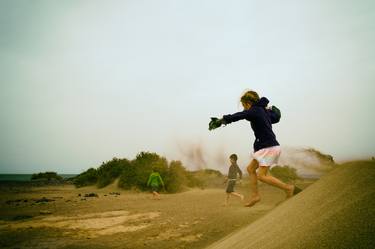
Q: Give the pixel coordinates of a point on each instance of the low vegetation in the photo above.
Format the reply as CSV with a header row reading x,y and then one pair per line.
x,y
46,176
133,174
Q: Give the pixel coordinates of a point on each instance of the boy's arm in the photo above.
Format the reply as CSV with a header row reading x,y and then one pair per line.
x,y
225,179
161,180
239,172
149,180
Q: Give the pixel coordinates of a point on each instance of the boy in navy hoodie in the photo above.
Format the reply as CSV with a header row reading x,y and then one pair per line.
x,y
266,147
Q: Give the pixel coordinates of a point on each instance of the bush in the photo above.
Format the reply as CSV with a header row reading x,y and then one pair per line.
x,y
89,177
284,173
205,178
176,177
111,170
134,174
141,167
213,172
128,177
46,176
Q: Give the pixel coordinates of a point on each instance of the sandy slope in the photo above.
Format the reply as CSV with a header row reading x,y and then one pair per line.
x,y
337,211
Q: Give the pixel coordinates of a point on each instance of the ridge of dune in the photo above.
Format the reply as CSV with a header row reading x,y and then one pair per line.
x,y
335,212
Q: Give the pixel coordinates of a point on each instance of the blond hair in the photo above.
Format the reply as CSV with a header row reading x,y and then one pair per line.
x,y
250,97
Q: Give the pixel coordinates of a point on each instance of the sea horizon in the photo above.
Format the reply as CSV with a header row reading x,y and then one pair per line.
x,y
26,177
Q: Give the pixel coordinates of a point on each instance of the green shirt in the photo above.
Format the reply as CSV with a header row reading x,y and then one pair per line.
x,y
155,179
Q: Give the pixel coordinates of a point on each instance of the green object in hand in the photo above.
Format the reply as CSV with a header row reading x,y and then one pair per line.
x,y
215,123
277,111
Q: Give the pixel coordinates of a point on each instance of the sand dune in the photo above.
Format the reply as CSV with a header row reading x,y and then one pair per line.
x,y
335,212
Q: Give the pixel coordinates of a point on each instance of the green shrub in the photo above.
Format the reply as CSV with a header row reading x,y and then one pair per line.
x,y
134,174
111,170
89,177
104,180
194,180
143,164
213,172
46,176
284,173
205,178
176,177
128,178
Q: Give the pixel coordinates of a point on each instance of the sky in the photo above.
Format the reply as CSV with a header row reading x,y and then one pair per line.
x,y
82,82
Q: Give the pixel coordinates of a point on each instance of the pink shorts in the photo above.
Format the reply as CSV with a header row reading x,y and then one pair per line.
x,y
268,156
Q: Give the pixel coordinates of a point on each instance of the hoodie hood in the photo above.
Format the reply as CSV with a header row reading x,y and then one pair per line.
x,y
262,102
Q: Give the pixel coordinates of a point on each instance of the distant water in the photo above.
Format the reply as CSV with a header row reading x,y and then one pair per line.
x,y
26,177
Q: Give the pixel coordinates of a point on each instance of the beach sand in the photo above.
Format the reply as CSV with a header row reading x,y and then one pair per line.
x,y
57,217
336,211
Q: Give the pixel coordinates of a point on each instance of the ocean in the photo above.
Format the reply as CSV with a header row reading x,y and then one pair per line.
x,y
26,177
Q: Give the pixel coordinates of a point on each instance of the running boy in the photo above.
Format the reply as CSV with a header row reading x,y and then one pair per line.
x,y
266,147
232,178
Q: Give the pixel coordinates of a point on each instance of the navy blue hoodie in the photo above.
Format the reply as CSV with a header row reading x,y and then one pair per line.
x,y
261,120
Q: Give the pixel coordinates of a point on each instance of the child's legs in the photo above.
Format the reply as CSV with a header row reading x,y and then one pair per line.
x,y
155,191
237,195
269,179
156,195
226,199
251,169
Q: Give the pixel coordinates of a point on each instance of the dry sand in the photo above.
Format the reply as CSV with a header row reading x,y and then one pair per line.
x,y
193,219
334,212
337,211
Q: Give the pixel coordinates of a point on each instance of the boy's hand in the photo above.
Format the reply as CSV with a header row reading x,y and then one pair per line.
x,y
225,180
215,123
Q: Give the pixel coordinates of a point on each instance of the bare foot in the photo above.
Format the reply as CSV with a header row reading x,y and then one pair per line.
x,y
289,192
242,198
252,201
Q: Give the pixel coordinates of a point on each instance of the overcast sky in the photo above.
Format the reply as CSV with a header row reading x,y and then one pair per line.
x,y
84,81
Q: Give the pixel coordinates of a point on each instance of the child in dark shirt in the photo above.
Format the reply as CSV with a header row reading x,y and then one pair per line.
x,y
266,147
232,178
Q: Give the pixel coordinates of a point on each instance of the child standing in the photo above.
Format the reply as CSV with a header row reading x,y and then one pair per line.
x,y
232,178
266,147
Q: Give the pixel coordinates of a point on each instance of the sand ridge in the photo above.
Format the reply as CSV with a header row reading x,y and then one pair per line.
x,y
335,212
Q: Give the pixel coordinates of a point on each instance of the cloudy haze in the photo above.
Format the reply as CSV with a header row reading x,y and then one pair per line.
x,y
84,81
